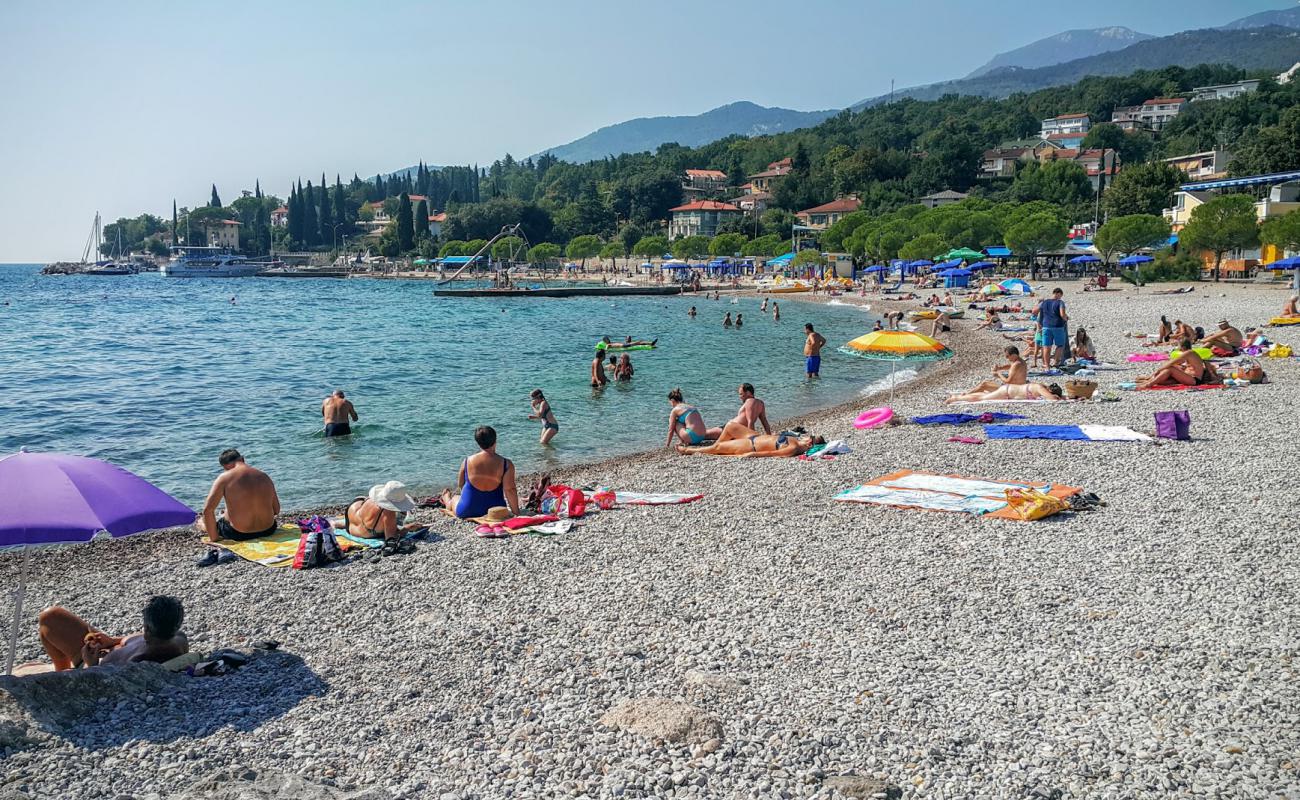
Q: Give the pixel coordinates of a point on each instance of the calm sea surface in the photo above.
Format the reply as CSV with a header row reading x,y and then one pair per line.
x,y
159,375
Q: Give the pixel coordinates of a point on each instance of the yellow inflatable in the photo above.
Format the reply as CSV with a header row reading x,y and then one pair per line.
x,y
924,314
1203,352
1284,321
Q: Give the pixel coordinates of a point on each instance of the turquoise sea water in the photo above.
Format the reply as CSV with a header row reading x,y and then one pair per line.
x,y
159,375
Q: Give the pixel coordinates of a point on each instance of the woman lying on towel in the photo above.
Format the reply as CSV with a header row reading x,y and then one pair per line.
x,y
1011,391
1189,369
739,440
382,515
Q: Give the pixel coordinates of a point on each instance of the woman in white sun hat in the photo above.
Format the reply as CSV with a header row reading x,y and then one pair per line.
x,y
382,515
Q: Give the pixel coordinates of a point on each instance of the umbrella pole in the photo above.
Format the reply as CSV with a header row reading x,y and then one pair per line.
x,y
19,593
893,365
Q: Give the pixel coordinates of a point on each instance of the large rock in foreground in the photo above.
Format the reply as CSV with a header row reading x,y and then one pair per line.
x,y
659,718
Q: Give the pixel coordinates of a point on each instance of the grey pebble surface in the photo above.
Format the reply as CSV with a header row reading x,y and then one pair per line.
x,y
813,649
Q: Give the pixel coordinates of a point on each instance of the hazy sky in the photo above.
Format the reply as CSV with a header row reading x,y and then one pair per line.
x,y
119,107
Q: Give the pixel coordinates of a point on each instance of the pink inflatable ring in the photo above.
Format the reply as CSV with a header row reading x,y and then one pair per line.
x,y
873,418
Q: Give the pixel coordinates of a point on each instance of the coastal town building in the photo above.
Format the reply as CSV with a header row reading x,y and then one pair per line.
x,y
700,218
946,197
222,233
823,216
1097,163
699,182
1206,166
765,181
752,202
1003,162
1153,115
1069,124
1224,91
280,217
436,221
1283,197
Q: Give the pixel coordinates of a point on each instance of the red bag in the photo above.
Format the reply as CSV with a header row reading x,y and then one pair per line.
x,y
563,501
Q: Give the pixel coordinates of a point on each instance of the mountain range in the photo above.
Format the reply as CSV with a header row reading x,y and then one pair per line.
x,y
647,133
1063,47
1268,40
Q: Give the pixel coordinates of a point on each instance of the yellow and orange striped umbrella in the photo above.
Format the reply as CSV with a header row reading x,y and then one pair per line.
x,y
897,346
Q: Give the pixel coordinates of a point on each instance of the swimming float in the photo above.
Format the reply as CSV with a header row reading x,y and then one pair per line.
x,y
1284,321
624,348
923,314
1203,352
873,418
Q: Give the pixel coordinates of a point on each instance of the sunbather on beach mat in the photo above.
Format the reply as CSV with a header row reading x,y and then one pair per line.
x,y
1028,391
1188,369
738,440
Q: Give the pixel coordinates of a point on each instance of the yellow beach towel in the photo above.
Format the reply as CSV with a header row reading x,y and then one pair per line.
x,y
276,550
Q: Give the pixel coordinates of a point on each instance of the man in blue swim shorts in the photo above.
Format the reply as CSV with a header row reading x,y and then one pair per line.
x,y
812,350
1052,318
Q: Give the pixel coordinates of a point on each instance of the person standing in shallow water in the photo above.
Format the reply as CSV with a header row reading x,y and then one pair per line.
x,y
338,412
543,413
598,378
812,350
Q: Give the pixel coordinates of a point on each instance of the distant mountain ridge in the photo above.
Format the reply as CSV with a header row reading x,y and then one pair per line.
x,y
1285,17
1271,48
1063,47
647,133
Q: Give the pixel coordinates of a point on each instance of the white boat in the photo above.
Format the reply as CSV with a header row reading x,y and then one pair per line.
x,y
209,262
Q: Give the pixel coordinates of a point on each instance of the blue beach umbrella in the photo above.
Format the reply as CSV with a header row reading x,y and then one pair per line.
x,y
920,262
1133,261
955,273
1286,263
1087,259
877,268
956,262
979,265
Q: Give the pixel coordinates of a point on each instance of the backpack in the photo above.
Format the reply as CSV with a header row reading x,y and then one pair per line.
x,y
318,545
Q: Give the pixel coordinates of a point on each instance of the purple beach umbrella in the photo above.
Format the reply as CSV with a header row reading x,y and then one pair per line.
x,y
66,499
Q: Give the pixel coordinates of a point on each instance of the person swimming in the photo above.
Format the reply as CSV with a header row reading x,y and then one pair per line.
x,y
726,321
485,467
691,313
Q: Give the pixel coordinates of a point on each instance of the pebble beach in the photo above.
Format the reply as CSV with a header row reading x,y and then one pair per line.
x,y
762,642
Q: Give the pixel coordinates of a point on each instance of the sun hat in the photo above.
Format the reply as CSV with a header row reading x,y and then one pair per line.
x,y
495,514
392,496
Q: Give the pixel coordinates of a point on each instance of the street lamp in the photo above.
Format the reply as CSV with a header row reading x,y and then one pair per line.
x,y
336,238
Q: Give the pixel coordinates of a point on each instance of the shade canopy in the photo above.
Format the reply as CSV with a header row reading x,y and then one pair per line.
x,y
897,346
979,265
674,265
1133,261
955,273
877,268
1088,259
921,262
955,262
964,254
66,499
998,252
1286,263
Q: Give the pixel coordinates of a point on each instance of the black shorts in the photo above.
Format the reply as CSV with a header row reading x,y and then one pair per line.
x,y
227,531
338,429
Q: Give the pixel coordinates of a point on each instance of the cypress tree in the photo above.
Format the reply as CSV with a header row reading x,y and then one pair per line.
x,y
215,202
340,206
295,217
257,188
174,242
326,218
405,230
310,230
379,188
421,220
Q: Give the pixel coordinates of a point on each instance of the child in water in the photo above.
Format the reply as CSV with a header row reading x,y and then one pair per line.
x,y
542,411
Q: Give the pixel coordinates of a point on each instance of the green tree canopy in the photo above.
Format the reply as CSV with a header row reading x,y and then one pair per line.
x,y
835,236
811,258
612,251
1282,232
453,248
1133,147
544,253
926,246
1057,182
1221,225
509,248
727,244
765,246
582,248
405,224
1035,235
651,246
1130,234
1142,189
689,247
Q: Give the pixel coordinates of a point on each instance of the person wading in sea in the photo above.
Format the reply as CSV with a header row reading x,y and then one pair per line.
x,y
338,411
812,350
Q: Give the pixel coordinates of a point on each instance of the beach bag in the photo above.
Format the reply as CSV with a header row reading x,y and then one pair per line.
x,y
1034,504
318,546
1251,371
564,502
1173,425
1279,351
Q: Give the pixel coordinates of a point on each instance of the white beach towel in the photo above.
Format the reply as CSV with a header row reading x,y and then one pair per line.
x,y
836,448
1113,433
653,499
909,498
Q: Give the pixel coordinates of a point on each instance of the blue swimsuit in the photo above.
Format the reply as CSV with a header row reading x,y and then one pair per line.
x,y
476,502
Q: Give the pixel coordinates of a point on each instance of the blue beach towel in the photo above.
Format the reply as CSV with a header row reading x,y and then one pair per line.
x,y
962,419
1078,433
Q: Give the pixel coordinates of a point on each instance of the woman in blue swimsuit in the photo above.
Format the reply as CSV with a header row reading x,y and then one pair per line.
x,y
686,424
486,480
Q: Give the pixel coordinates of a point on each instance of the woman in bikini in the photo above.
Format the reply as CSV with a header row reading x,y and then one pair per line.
x,y
485,480
686,424
1189,369
742,442
1011,391
381,514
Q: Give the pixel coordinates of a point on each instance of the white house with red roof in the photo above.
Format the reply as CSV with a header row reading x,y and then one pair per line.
x,y
1070,124
765,181
700,218
280,217
222,233
1152,115
825,215
436,221
704,181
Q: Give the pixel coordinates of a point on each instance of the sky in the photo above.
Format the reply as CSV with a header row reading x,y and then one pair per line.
x,y
121,107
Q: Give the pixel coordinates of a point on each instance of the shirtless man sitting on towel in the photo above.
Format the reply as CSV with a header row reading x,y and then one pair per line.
x,y
1227,338
251,504
1013,373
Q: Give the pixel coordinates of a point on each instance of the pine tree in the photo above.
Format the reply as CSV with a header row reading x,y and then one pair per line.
x,y
215,202
421,220
405,230
310,230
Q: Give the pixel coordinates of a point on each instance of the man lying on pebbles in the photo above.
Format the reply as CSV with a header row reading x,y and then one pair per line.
x,y
739,440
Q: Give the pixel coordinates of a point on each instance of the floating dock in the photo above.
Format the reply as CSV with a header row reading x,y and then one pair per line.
x,y
561,291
